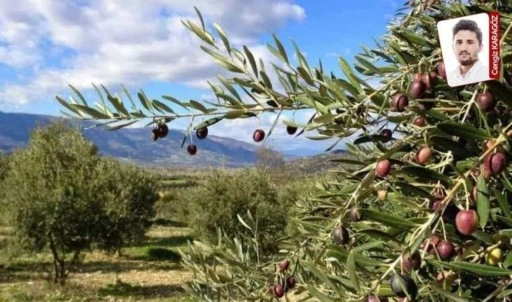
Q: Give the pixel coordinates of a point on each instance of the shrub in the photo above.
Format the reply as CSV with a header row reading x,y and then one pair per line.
x,y
175,199
221,197
130,195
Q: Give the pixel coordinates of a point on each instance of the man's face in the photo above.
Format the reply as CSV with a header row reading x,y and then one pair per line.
x,y
466,47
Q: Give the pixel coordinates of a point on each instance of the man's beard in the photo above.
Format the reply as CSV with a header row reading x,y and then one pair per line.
x,y
468,62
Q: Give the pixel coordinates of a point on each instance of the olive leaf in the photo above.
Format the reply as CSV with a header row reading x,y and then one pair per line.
x,y
482,201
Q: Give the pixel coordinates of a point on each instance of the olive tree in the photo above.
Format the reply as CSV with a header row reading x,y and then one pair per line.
x,y
4,165
130,194
49,195
423,210
269,159
222,198
62,196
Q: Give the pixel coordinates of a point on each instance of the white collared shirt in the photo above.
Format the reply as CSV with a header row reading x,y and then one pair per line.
x,y
477,73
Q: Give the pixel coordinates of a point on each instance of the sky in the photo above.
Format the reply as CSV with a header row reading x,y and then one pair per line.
x,y
47,44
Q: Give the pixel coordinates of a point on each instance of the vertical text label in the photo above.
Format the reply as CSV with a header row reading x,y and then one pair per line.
x,y
494,45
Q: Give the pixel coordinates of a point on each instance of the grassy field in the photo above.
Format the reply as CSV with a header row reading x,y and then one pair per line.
x,y
148,272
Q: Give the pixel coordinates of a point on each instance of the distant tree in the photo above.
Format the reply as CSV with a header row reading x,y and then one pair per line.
x,y
4,166
268,158
217,202
130,197
4,162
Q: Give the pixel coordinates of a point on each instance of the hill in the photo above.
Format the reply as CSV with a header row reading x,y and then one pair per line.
x,y
135,144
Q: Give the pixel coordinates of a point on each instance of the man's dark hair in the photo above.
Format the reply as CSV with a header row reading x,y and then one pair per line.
x,y
468,25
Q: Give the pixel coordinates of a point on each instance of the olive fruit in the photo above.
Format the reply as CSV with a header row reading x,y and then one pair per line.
x,y
445,249
411,262
403,285
423,155
441,70
417,90
495,163
155,134
494,256
278,290
290,282
417,77
355,214
429,79
291,130
466,221
375,298
340,235
258,135
202,133
399,102
192,149
383,168
473,196
386,132
485,101
420,121
163,130
283,265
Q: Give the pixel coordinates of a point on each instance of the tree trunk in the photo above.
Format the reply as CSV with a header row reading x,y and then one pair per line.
x,y
119,246
58,263
73,265
63,273
55,259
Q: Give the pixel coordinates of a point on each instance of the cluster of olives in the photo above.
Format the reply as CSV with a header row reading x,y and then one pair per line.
x,y
160,130
288,282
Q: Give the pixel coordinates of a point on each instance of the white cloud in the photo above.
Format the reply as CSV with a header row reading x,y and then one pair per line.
x,y
133,42
344,52
18,57
374,82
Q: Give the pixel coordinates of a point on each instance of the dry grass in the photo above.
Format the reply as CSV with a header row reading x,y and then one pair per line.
x,y
4,232
147,272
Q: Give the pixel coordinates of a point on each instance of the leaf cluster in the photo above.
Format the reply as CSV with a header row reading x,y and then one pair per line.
x,y
396,207
60,194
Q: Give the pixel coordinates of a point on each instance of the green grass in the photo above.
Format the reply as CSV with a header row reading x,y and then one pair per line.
x,y
120,291
171,182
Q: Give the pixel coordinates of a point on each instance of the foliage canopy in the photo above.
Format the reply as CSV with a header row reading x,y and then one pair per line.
x,y
60,194
393,190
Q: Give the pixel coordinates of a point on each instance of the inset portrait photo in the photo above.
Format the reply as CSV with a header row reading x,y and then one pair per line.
x,y
466,48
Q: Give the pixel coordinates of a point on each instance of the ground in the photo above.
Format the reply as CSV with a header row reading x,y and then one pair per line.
x,y
150,271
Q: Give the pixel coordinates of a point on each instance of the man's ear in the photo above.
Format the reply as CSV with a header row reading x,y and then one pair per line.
x,y
480,48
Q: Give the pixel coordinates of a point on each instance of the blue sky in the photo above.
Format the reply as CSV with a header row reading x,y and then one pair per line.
x,y
46,45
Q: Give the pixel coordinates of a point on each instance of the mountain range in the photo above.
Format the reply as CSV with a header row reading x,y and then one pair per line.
x,y
135,144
